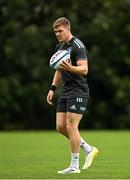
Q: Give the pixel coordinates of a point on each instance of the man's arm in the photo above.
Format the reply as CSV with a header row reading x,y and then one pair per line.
x,y
80,69
55,83
57,78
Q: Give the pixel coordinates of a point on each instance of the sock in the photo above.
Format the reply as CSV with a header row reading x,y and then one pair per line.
x,y
86,147
74,160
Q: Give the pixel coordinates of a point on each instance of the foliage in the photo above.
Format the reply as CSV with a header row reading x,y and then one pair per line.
x,y
27,42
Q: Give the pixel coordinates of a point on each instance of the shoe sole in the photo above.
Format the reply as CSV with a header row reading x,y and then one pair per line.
x,y
73,172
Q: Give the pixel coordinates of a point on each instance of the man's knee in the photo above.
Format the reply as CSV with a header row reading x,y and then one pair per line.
x,y
70,127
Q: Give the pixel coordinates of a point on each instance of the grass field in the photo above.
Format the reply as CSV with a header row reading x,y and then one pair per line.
x,y
38,155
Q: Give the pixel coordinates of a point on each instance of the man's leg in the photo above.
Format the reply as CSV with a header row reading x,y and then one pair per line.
x,y
67,124
72,123
90,154
61,127
61,123
85,146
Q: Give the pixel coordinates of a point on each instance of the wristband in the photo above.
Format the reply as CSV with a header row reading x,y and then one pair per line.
x,y
53,88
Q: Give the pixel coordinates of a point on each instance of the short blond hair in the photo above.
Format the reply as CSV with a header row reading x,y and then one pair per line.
x,y
61,21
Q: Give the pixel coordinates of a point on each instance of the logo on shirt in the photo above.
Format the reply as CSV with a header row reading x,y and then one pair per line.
x,y
69,49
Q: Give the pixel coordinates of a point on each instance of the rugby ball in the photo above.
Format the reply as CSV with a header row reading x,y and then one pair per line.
x,y
58,57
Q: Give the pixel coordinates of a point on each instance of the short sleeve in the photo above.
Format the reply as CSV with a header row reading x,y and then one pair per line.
x,y
81,53
80,50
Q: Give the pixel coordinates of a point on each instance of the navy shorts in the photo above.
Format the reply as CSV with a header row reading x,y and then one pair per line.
x,y
72,104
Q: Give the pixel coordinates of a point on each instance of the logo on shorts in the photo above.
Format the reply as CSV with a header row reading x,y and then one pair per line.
x,y
73,107
79,99
82,108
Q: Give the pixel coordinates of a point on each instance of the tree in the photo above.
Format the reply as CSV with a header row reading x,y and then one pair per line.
x,y
27,43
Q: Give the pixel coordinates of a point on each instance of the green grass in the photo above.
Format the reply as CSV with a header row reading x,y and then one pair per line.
x,y
38,155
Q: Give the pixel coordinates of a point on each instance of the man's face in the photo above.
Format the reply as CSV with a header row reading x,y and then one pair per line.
x,y
62,33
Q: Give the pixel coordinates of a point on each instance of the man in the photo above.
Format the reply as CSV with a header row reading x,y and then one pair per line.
x,y
74,95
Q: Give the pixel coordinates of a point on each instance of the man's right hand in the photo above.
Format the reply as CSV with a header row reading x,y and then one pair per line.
x,y
50,97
